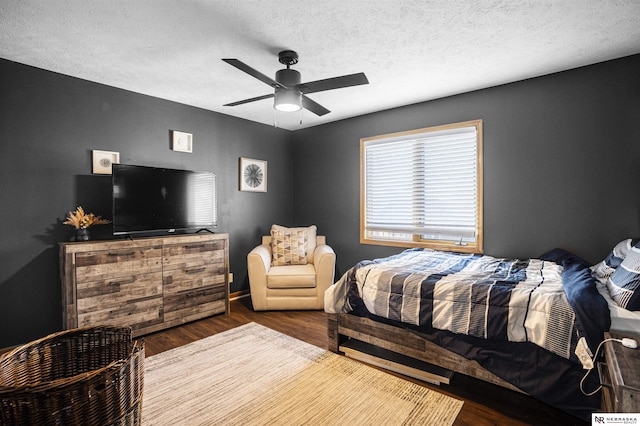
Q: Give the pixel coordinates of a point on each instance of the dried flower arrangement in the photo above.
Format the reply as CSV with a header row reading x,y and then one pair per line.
x,y
80,220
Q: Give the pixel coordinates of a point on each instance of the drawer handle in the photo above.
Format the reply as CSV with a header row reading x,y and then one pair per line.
x,y
131,253
194,246
195,270
129,281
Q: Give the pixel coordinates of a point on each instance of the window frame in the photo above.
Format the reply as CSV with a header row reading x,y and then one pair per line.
x,y
417,241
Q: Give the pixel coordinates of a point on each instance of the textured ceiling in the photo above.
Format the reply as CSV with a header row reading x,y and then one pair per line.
x,y
410,50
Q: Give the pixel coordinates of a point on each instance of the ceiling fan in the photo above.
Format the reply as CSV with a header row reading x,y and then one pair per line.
x,y
290,93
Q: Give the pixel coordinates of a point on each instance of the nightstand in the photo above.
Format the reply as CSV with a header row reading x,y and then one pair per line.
x,y
620,376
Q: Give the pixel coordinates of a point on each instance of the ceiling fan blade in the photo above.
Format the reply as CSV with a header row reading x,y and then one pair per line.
x,y
254,73
257,98
333,83
314,107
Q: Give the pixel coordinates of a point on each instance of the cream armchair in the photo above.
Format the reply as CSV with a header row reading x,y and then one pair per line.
x,y
297,286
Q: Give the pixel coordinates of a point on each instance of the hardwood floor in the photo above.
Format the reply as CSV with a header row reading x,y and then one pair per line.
x,y
484,403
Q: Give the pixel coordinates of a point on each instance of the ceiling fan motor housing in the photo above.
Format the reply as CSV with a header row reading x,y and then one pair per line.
x,y
288,77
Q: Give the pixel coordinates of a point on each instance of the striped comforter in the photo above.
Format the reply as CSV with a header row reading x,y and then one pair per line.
x,y
492,298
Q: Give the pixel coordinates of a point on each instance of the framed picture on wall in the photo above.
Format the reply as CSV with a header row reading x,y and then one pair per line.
x,y
253,175
181,141
103,160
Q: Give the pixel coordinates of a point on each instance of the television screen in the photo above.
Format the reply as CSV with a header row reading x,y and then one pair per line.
x,y
147,199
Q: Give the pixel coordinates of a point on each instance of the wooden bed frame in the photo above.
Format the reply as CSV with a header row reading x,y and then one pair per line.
x,y
341,327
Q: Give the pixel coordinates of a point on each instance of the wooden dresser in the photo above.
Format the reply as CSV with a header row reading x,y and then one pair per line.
x,y
620,377
148,283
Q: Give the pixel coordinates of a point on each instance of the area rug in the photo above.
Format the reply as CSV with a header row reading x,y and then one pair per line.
x,y
252,375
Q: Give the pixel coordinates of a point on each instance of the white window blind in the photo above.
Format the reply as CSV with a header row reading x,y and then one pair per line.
x,y
422,186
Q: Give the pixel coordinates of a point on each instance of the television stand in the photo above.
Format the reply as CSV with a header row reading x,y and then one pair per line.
x,y
205,230
148,284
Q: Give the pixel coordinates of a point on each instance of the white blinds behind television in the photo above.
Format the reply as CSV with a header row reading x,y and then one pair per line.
x,y
201,199
424,185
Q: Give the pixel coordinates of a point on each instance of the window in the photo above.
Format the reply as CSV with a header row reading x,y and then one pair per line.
x,y
423,188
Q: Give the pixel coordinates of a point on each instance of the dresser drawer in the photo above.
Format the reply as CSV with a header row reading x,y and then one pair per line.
x,y
103,265
117,290
133,301
193,277
136,314
195,304
193,254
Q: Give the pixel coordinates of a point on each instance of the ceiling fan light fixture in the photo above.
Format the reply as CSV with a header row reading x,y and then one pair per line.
x,y
287,100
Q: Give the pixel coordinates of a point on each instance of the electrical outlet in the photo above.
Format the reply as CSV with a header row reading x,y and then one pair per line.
x,y
230,277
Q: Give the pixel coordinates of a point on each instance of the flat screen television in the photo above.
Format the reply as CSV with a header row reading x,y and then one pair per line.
x,y
154,199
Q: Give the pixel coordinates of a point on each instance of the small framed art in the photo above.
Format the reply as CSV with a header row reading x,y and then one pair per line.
x,y
253,175
181,141
103,160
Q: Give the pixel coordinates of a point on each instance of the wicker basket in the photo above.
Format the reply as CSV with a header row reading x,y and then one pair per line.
x,y
84,376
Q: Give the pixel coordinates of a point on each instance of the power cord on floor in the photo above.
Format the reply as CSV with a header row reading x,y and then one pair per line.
x,y
626,342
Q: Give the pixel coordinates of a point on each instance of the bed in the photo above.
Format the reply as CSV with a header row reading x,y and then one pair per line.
x,y
519,324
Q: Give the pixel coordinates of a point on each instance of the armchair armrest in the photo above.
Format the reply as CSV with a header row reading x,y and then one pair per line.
x,y
324,259
260,257
258,264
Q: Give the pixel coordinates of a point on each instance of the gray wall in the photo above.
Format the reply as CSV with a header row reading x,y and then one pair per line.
x,y
560,153
49,123
561,156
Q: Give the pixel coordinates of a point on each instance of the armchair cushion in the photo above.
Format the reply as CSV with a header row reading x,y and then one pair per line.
x,y
292,276
292,246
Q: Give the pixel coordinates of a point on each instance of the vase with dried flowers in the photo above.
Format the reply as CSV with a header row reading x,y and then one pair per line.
x,y
82,221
